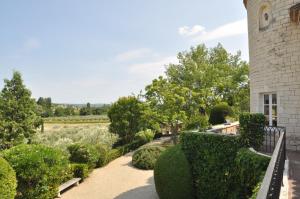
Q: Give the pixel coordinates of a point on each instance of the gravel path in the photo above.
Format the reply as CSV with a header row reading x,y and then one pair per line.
x,y
117,180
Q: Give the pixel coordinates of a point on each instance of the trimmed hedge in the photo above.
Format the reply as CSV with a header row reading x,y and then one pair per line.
x,y
251,168
252,129
80,170
8,181
221,167
172,175
39,169
84,154
146,157
212,161
219,113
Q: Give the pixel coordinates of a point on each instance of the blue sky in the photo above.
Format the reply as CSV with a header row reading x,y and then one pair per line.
x,y
95,51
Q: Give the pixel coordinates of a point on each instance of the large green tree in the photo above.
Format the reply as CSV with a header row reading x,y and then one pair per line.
x,y
125,117
18,113
215,74
176,105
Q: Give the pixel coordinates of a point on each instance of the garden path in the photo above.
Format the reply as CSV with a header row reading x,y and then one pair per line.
x,y
118,180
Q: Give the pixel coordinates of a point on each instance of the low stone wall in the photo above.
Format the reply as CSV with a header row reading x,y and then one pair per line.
x,y
232,128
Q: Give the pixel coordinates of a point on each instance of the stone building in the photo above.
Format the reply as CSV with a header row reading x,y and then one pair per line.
x,y
274,46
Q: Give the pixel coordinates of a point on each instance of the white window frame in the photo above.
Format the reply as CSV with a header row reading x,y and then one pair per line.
x,y
270,95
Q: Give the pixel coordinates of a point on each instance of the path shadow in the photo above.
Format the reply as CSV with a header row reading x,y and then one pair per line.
x,y
144,192
294,173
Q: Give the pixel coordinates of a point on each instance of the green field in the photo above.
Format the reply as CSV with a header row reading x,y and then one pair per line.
x,y
62,131
77,119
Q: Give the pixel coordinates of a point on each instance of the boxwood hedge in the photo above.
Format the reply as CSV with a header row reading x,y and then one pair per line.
x,y
146,157
172,175
8,181
39,169
221,168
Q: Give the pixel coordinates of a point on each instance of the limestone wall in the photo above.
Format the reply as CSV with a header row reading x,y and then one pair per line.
x,y
275,61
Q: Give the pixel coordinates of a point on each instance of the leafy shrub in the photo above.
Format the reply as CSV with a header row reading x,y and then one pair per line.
x,y
114,154
252,129
39,170
250,168
83,153
198,121
8,181
211,157
144,136
172,175
221,168
103,155
80,170
219,113
145,157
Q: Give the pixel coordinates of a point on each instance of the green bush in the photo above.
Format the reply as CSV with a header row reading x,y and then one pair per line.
x,y
113,154
103,155
211,157
39,169
80,170
252,129
219,113
83,153
145,157
221,168
172,175
199,122
144,136
250,168
8,181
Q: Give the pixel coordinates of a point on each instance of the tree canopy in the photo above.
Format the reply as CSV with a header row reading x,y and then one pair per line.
x,y
18,113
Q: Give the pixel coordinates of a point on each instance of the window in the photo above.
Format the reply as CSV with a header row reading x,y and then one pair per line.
x,y
264,16
270,109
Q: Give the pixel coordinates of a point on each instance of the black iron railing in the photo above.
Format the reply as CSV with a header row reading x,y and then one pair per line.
x,y
271,138
275,142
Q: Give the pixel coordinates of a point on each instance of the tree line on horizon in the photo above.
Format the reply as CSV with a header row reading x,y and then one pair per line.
x,y
49,109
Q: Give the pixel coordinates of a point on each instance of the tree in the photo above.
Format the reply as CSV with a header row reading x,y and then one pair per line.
x,y
174,104
216,75
125,117
45,106
18,113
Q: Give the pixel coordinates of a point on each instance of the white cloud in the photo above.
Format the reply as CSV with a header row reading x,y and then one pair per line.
x,y
200,34
152,69
190,31
135,54
31,44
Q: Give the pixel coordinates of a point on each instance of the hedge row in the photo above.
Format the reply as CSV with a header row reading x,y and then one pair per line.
x,y
212,162
252,129
221,167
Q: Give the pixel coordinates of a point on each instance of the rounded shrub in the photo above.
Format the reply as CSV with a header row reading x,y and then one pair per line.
x,y
219,113
39,169
83,153
144,136
172,175
146,157
8,181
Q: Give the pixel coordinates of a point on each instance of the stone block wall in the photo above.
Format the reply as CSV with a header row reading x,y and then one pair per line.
x,y
275,63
